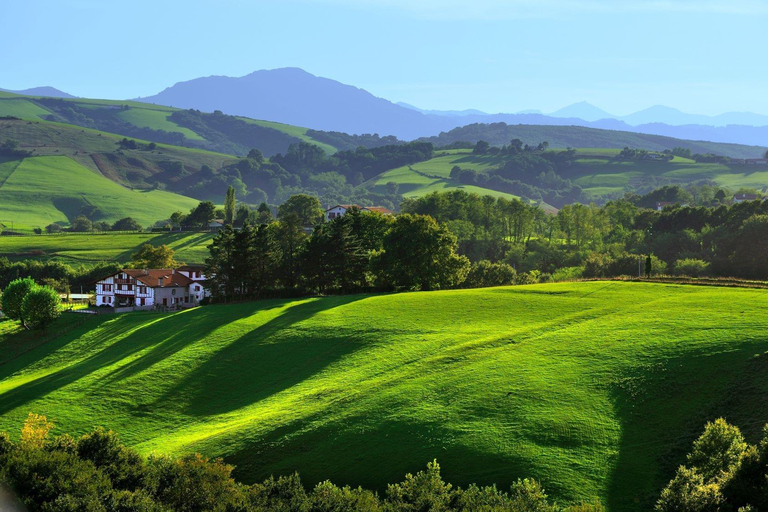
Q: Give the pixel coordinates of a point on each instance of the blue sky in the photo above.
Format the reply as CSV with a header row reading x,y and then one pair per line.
x,y
499,56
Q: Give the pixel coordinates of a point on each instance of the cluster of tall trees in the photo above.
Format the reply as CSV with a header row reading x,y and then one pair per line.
x,y
98,473
593,241
355,252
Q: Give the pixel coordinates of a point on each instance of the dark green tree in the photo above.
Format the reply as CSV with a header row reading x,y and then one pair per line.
x,y
229,206
420,253
13,297
40,307
306,209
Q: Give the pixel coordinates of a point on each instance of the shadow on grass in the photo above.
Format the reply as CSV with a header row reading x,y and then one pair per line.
x,y
148,330
664,407
254,367
359,452
21,349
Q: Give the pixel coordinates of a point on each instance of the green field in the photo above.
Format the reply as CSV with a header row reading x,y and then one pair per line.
x,y
16,106
155,119
89,248
595,170
42,190
596,389
433,175
293,131
600,175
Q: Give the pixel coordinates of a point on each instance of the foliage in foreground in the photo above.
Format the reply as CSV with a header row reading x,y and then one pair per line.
x,y
98,473
723,474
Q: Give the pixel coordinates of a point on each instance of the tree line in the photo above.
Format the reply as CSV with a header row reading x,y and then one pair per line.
x,y
359,251
98,473
602,241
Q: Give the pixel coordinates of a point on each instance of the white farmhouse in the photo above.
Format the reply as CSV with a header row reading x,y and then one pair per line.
x,y
146,288
340,209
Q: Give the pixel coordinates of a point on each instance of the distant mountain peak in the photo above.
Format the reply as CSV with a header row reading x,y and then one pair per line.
x,y
46,90
583,110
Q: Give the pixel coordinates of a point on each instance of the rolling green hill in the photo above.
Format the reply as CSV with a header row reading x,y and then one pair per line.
x,y
155,123
90,248
600,174
597,171
499,134
100,152
596,389
38,191
433,175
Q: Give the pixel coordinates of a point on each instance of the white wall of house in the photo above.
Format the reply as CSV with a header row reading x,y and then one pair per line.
x,y
334,212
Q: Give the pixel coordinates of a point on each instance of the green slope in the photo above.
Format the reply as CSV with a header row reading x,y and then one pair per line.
x,y
599,174
99,152
596,389
15,106
155,119
88,248
293,131
433,175
499,134
124,117
42,190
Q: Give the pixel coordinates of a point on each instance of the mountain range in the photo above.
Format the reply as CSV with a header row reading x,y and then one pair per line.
x,y
296,97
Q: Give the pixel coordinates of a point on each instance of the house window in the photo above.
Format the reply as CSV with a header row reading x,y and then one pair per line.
x,y
130,287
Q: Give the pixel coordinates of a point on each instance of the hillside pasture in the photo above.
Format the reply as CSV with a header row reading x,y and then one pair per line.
x,y
596,389
89,248
434,175
601,175
15,106
293,131
156,120
38,191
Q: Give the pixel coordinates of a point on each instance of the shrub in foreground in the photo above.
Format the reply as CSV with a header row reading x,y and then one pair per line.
x,y
723,473
98,473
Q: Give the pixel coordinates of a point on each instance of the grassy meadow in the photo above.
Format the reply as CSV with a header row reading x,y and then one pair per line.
x,y
596,389
38,191
434,175
598,174
595,170
89,248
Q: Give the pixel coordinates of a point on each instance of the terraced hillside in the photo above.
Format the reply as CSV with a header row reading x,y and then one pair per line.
x,y
596,389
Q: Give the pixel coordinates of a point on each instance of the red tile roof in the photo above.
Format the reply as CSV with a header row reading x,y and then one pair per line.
x,y
379,209
151,277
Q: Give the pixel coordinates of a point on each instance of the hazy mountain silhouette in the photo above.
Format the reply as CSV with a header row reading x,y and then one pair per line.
x,y
293,96
583,110
42,91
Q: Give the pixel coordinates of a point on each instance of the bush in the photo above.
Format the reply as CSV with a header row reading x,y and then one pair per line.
x,y
126,224
691,267
13,297
40,307
484,273
53,228
567,273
